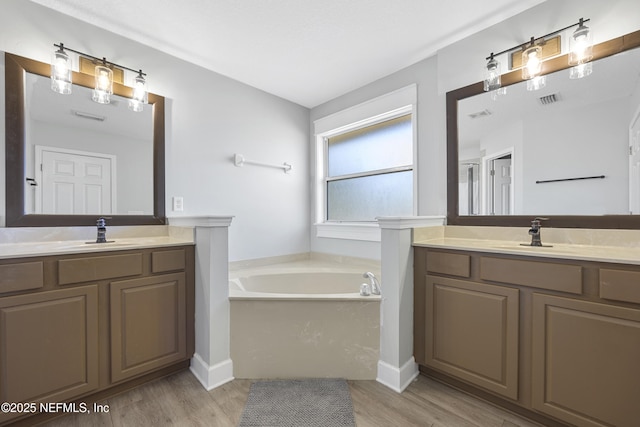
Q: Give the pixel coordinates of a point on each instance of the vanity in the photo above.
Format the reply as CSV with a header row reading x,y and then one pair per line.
x,y
550,332
81,322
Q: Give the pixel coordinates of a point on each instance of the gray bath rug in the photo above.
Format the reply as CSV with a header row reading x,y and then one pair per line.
x,y
299,403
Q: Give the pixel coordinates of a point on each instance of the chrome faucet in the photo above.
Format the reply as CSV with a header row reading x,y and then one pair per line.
x,y
375,285
534,231
102,230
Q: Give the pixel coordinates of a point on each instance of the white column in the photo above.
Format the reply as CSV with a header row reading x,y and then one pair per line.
x,y
397,367
211,363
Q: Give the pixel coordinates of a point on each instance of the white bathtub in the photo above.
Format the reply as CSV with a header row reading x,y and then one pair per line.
x,y
303,322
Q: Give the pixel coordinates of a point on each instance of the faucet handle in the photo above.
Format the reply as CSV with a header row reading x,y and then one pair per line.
x,y
536,221
101,222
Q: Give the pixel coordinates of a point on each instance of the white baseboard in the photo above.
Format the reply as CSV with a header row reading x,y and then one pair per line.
x,y
211,376
397,379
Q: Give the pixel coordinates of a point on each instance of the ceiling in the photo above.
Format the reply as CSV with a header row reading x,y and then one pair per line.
x,y
306,51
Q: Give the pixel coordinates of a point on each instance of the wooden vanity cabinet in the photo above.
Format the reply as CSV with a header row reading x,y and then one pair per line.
x,y
471,332
82,327
555,340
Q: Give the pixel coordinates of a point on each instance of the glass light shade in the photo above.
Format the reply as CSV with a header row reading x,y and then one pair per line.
x,y
104,85
498,93
492,80
140,94
61,71
581,70
531,58
536,83
580,45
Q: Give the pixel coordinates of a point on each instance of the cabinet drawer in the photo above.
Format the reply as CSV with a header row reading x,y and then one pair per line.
x,y
451,264
620,285
98,268
167,261
535,274
21,277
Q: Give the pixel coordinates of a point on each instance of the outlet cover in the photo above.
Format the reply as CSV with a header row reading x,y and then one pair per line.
x,y
178,204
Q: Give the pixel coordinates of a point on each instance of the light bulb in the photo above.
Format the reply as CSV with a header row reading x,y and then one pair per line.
x,y
533,64
103,85
581,45
61,72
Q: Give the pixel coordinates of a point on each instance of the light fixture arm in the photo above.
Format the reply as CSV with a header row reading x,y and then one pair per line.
x,y
534,40
62,47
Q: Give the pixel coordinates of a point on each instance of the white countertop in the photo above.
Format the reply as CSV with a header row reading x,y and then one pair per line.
x,y
33,249
618,246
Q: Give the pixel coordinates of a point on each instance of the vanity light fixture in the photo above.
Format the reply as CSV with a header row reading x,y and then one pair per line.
x,y
580,55
61,75
61,67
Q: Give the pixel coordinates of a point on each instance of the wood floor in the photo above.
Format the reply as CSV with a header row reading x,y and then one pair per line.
x,y
180,400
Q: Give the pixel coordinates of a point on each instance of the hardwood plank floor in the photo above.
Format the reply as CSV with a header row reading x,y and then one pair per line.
x,y
180,400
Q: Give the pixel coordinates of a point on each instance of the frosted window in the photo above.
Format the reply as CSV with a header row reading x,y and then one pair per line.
x,y
380,146
365,198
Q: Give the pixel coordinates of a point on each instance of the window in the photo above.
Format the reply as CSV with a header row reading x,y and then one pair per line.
x,y
369,171
365,166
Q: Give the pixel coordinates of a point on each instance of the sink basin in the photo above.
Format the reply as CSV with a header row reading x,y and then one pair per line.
x,y
541,249
92,245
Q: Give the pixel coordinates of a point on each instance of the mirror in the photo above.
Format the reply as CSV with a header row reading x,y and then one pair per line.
x,y
561,151
121,151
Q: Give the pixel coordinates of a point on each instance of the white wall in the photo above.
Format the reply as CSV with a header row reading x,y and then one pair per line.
x,y
209,117
599,146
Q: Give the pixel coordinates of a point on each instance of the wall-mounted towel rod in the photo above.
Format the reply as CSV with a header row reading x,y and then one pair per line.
x,y
239,160
570,179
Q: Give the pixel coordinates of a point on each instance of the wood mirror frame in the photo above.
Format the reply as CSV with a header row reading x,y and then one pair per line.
x,y
601,50
15,69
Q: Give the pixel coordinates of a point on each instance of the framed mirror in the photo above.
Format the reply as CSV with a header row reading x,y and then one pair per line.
x,y
70,160
569,171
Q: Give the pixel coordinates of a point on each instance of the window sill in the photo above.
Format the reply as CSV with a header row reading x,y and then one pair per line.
x,y
349,230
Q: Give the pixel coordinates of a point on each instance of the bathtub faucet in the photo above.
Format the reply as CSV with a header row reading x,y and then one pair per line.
x,y
375,285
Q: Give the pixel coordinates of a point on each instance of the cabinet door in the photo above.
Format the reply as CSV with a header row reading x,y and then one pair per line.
x,y
148,324
586,361
472,332
49,345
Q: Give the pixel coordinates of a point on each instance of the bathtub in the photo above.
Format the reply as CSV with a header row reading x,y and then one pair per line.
x,y
303,320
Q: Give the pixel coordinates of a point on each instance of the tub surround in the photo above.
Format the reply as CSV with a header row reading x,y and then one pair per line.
x,y
528,327
308,320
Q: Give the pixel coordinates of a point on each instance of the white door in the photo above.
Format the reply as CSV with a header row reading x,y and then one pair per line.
x,y
501,186
74,182
634,164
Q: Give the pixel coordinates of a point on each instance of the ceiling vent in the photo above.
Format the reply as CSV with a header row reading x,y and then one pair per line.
x,y
549,99
483,113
